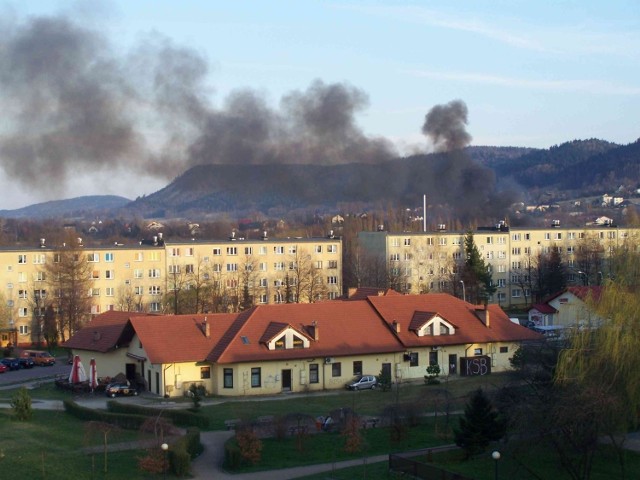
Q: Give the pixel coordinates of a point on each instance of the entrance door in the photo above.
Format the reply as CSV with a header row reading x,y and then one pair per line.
x,y
453,364
286,380
130,372
386,370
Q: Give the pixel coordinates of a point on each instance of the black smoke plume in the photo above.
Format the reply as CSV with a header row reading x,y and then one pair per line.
x,y
446,126
73,104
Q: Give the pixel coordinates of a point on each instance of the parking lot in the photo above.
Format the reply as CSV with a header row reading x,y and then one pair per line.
x,y
32,374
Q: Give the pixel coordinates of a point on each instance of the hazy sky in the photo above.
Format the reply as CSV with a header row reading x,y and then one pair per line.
x,y
532,73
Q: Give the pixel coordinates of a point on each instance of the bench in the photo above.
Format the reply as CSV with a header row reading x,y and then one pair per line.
x,y
231,424
265,419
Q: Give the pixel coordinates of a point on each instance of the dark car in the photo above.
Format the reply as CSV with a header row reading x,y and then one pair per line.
x,y
120,388
26,362
11,363
362,382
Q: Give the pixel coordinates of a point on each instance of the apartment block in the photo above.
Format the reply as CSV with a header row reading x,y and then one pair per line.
x,y
145,275
429,261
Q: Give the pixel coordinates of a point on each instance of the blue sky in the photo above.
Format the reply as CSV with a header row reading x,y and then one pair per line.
x,y
531,73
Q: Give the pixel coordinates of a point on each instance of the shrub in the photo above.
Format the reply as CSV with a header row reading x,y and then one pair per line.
x,y
250,445
433,372
182,418
384,381
21,404
232,456
127,421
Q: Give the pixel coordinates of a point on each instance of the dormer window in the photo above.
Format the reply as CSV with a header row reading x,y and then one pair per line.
x,y
284,337
432,325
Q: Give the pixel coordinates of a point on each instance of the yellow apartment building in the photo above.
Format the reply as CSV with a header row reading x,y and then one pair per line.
x,y
143,276
428,261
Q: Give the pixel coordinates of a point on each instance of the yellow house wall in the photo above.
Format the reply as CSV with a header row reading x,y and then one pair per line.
x,y
108,364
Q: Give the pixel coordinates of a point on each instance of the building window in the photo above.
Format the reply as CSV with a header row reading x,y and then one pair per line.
x,y
154,290
22,258
292,249
205,372
278,266
336,369
189,269
174,269
95,274
109,274
262,251
232,250
40,277
154,306
154,273
22,312
395,257
23,329
357,367
108,257
413,359
256,375
93,257
232,267
264,298
279,250
228,377
137,273
318,248
504,349
313,373
174,252
332,295
332,249
333,280
248,250
217,251
109,291
39,258
516,292
477,351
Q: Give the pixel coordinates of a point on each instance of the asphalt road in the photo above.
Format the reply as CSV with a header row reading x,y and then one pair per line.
x,y
11,377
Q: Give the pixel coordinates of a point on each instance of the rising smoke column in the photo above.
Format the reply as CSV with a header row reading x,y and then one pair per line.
x,y
72,104
468,187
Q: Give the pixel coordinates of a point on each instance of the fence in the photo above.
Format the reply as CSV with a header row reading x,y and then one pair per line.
x,y
404,463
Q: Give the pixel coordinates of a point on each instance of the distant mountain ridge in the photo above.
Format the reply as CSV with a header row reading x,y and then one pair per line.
x,y
80,206
479,179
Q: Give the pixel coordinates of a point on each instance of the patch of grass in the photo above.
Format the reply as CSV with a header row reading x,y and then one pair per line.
x,y
50,446
366,402
45,391
329,447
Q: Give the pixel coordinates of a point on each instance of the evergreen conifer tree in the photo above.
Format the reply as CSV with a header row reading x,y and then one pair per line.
x,y
479,426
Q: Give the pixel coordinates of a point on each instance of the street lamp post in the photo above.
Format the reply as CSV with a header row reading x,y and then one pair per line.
x,y
165,448
496,456
464,294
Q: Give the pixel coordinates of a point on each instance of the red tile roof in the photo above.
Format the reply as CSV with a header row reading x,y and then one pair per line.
x,y
543,308
103,332
180,338
469,327
344,328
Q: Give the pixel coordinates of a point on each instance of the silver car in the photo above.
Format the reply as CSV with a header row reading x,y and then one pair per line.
x,y
363,382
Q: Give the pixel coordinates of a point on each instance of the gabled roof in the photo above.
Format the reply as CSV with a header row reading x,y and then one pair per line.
x,y
582,292
469,327
343,328
543,308
180,338
275,329
103,332
420,319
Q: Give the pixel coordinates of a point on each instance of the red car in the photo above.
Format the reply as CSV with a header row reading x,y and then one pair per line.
x,y
3,368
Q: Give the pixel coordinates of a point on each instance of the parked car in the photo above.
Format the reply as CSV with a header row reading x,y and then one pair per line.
x,y
26,362
363,382
3,368
120,388
11,363
40,358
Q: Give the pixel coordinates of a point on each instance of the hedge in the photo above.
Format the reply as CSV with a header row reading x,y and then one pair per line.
x,y
123,420
181,418
183,450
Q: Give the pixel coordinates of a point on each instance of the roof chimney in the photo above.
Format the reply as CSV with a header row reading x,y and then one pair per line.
x,y
42,243
483,314
396,326
315,330
206,328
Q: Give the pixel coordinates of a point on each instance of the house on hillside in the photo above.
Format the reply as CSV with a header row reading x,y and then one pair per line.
x,y
270,349
568,308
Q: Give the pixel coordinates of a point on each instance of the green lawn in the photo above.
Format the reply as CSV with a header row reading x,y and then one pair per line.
x,y
50,446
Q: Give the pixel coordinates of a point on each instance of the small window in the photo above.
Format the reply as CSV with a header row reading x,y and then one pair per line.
x,y
336,369
313,373
477,351
504,349
23,329
205,372
256,381
357,367
413,359
228,377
